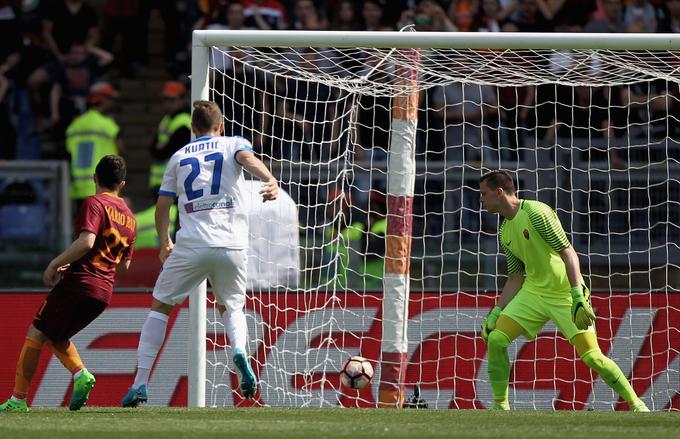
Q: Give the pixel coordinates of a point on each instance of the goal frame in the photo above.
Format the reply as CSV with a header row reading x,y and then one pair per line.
x,y
202,40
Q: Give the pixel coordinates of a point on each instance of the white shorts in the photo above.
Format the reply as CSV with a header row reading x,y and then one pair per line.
x,y
186,268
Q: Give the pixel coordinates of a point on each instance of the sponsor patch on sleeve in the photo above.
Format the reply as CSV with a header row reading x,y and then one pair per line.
x,y
200,205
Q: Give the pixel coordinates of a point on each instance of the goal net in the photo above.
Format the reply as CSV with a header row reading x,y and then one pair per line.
x,y
381,150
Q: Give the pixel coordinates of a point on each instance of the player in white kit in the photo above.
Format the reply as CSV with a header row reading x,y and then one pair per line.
x,y
207,179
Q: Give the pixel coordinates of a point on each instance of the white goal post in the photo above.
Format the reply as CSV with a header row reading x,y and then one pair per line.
x,y
615,198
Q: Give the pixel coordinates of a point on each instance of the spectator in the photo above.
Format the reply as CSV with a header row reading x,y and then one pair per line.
x,y
241,91
573,12
31,55
174,131
8,139
612,21
71,84
9,58
533,16
68,21
407,17
307,17
341,241
265,14
372,14
235,18
586,113
215,12
548,9
581,114
174,48
517,117
487,17
430,17
90,137
372,266
640,16
232,18
123,17
303,115
466,111
648,105
517,111
10,35
670,21
461,13
345,16
392,10
373,131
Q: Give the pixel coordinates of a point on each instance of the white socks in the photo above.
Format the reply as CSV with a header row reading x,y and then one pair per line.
x,y
237,329
150,342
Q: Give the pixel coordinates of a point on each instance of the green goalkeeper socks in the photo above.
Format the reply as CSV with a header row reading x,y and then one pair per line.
x,y
498,364
611,374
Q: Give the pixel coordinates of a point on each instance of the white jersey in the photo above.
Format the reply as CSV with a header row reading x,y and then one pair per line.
x,y
208,182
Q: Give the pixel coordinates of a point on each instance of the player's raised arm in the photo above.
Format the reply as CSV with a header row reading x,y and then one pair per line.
x,y
76,250
270,187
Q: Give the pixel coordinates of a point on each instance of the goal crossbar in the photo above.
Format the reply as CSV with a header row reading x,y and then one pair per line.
x,y
437,40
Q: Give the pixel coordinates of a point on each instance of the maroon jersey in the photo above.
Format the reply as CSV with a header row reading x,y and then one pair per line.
x,y
108,217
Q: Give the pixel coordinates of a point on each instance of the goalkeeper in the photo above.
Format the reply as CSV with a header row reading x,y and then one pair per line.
x,y
544,283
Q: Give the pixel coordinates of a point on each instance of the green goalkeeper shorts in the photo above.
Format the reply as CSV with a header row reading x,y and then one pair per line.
x,y
532,312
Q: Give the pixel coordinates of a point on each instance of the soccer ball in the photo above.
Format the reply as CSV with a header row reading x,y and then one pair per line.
x,y
356,373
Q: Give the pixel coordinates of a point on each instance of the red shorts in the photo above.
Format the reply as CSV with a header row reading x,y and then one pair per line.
x,y
65,312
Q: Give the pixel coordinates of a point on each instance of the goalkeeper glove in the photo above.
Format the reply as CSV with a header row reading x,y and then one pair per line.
x,y
490,322
581,311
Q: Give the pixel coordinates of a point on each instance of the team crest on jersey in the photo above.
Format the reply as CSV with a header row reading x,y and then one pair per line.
x,y
526,234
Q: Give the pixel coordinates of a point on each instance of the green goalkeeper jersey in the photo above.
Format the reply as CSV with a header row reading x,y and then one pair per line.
x,y
531,242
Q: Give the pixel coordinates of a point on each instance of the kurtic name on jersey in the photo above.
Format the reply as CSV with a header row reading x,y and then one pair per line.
x,y
203,146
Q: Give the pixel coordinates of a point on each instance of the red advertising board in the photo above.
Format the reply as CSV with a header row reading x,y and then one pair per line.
x,y
299,342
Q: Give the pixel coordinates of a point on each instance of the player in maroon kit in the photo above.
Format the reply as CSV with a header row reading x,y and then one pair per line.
x,y
105,232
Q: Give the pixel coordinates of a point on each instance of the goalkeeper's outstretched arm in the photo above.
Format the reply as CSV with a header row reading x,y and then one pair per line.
x,y
573,266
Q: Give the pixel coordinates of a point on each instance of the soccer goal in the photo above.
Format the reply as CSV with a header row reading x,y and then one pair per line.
x,y
380,139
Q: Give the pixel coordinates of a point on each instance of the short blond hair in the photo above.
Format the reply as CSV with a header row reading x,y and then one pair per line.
x,y
206,116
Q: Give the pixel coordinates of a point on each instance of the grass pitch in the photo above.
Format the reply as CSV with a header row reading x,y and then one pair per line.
x,y
250,423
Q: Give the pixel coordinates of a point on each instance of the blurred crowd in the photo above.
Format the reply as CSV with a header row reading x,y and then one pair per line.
x,y
54,51
61,63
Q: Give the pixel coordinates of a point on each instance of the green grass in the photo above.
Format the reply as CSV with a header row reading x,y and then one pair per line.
x,y
248,423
